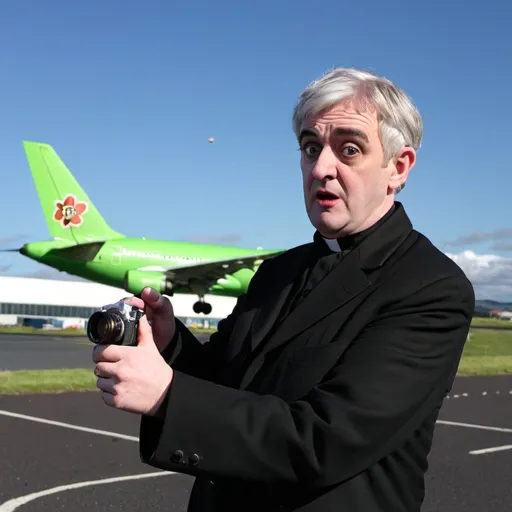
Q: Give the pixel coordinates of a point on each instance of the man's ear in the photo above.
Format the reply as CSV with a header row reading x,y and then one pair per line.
x,y
402,166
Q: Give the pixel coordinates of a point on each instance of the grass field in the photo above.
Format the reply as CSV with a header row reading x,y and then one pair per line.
x,y
491,322
46,381
487,352
67,332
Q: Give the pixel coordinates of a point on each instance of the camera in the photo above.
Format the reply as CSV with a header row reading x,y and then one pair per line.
x,y
115,324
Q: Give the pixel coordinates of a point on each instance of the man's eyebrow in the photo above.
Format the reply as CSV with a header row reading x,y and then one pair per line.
x,y
350,132
306,132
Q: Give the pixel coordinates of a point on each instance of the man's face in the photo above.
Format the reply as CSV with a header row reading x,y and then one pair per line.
x,y
342,155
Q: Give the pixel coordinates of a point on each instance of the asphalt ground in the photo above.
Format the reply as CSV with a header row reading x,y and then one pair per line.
x,y
47,352
73,468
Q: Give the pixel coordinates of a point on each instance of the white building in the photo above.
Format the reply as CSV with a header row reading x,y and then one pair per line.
x,y
28,301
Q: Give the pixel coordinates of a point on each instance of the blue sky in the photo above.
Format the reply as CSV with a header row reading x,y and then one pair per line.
x,y
129,92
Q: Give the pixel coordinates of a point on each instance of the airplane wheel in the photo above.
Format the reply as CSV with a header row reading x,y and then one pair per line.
x,y
202,307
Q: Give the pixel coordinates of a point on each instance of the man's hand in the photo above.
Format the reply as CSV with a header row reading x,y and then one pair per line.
x,y
160,314
135,379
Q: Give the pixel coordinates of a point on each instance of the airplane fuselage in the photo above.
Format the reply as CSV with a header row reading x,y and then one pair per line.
x,y
133,263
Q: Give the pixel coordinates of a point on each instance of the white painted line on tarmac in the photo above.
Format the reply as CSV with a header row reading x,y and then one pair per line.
x,y
67,425
484,393
487,450
471,425
13,504
479,427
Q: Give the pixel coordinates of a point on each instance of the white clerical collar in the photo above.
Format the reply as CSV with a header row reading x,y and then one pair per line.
x,y
332,243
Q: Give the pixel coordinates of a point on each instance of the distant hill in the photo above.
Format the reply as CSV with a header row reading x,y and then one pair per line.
x,y
484,307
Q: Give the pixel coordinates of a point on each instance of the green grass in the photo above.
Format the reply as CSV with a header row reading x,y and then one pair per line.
x,y
491,322
46,381
18,329
487,352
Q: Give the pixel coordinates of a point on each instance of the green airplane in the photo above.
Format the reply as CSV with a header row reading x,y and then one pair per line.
x,y
85,245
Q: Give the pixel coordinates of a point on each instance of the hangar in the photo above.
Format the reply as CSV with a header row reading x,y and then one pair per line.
x,y
63,304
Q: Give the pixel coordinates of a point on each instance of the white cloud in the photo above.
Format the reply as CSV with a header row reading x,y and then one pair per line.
x,y
490,274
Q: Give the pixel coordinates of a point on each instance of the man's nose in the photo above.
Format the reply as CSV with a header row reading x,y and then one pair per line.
x,y
325,165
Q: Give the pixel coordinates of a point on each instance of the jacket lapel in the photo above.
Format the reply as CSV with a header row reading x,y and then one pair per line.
x,y
346,281
341,285
278,294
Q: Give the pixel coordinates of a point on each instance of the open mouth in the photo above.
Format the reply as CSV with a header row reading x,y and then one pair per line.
x,y
324,195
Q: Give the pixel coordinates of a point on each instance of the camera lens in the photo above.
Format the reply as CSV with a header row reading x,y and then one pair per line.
x,y
105,327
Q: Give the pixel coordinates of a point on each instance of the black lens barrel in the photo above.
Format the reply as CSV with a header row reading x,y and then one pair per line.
x,y
105,327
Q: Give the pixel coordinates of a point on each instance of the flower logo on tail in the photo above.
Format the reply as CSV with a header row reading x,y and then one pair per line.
x,y
69,211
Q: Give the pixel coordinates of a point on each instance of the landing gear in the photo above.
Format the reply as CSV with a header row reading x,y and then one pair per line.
x,y
202,307
199,289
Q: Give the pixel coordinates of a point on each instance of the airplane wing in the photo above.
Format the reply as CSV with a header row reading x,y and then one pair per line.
x,y
207,274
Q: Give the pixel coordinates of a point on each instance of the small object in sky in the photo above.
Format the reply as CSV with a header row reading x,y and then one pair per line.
x,y
211,139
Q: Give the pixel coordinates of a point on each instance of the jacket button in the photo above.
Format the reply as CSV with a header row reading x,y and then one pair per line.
x,y
177,456
194,459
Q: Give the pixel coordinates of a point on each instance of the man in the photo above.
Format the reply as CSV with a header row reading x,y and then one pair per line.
x,y
320,392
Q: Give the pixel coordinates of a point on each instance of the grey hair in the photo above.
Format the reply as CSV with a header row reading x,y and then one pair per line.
x,y
400,123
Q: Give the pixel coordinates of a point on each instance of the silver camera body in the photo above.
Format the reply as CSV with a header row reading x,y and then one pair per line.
x,y
115,324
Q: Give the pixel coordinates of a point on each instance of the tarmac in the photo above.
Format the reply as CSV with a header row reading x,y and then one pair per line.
x,y
47,352
71,452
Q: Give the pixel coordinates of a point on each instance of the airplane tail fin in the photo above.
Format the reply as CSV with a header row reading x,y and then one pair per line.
x,y
69,213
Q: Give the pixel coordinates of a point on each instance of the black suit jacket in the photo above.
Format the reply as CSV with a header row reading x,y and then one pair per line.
x,y
332,409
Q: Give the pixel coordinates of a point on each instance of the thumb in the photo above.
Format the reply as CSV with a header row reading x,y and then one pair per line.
x,y
156,301
145,333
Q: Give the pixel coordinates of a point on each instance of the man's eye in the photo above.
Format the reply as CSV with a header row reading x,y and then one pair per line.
x,y
310,149
350,150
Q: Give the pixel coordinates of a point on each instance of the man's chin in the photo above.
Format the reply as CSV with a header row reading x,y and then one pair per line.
x,y
328,224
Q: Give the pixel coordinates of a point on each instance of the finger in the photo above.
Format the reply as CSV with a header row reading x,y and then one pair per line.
x,y
145,333
107,353
135,301
139,303
156,301
108,398
106,385
105,370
